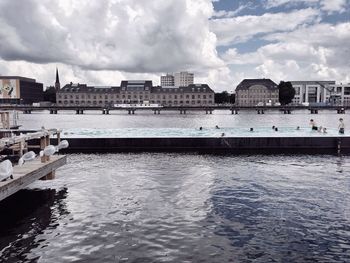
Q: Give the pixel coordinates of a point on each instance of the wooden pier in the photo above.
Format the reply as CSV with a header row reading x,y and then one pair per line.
x,y
30,172
40,168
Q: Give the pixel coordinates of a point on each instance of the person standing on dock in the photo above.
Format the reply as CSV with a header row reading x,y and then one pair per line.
x,y
341,126
313,125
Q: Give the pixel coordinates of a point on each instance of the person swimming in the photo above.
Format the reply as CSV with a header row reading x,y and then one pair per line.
x,y
200,128
341,126
217,127
276,129
273,127
251,129
222,134
324,130
313,125
298,128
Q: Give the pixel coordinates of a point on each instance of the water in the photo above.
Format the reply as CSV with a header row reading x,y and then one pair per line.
x,y
154,207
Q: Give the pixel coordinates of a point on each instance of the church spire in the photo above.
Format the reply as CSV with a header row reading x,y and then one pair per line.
x,y
57,83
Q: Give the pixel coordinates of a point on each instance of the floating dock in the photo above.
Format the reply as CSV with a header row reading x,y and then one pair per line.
x,y
29,173
229,145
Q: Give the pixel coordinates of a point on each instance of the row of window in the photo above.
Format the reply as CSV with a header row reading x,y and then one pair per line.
x,y
258,96
257,91
160,102
129,96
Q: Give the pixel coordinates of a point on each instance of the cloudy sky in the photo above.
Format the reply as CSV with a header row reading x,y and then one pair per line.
x,y
101,42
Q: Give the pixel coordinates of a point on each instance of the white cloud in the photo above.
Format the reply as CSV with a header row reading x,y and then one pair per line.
x,y
127,35
315,52
242,28
332,6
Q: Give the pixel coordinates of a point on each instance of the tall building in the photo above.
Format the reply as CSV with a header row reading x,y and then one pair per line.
x,y
252,92
57,83
183,79
167,81
20,90
140,91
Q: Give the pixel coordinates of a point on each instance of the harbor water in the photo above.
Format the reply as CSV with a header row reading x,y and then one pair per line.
x,y
157,207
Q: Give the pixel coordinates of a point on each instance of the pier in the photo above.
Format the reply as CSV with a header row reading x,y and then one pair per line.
x,y
208,109
29,173
43,167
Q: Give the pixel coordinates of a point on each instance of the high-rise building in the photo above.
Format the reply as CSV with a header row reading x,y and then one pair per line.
x,y
167,80
57,83
183,79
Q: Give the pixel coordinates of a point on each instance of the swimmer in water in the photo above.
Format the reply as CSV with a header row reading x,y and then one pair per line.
x,y
251,129
276,129
222,134
313,125
217,127
298,128
273,127
200,128
324,130
341,126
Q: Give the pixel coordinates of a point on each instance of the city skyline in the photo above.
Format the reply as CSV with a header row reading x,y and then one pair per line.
x,y
222,42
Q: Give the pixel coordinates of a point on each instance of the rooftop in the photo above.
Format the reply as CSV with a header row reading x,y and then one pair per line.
x,y
247,83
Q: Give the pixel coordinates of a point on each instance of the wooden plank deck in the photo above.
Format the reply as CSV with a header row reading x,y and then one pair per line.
x,y
28,173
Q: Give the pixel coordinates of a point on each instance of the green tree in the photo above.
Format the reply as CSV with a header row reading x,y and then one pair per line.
x,y
222,97
50,94
286,92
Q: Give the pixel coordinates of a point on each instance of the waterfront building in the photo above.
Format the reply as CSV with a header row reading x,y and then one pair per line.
x,y
20,90
167,81
253,92
141,91
183,79
321,93
340,95
312,92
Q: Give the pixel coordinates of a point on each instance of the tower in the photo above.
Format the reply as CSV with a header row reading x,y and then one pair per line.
x,y
57,83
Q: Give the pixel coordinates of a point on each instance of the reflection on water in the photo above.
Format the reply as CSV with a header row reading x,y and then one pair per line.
x,y
24,216
185,208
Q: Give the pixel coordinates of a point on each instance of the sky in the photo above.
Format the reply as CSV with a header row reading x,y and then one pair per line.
x,y
101,42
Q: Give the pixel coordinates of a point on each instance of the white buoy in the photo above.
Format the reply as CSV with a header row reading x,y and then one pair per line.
x,y
26,157
6,170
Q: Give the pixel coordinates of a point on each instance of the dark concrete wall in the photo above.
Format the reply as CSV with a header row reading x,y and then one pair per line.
x,y
244,145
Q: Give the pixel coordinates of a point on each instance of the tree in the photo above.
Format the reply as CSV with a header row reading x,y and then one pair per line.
x,y
223,97
50,94
286,92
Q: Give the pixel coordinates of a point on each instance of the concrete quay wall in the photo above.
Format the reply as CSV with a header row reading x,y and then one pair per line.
x,y
232,145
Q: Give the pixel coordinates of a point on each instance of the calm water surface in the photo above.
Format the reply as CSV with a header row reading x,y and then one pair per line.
x,y
181,207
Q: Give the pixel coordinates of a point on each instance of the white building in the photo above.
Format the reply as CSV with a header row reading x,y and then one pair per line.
x,y
321,92
167,81
183,79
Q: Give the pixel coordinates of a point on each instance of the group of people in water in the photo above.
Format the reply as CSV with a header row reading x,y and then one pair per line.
x,y
314,127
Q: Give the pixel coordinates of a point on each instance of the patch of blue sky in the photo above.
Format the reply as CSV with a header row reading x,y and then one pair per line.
x,y
250,46
335,18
